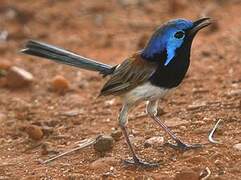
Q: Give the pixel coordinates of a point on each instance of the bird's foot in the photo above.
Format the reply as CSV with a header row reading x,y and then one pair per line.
x,y
183,147
140,163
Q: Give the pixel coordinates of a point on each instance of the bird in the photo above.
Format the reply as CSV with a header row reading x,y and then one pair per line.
x,y
147,75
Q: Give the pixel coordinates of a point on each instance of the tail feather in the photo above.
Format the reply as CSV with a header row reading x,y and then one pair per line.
x,y
63,56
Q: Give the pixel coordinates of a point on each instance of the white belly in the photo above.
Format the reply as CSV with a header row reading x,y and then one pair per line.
x,y
143,93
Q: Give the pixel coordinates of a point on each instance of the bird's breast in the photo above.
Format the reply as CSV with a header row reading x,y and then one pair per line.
x,y
144,92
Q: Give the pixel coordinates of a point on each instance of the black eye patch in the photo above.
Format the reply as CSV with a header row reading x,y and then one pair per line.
x,y
179,34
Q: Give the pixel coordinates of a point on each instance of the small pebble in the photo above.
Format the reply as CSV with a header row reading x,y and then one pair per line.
x,y
103,143
219,164
196,106
237,146
234,92
3,35
72,113
17,77
155,141
206,53
103,163
34,132
109,103
60,84
116,134
174,122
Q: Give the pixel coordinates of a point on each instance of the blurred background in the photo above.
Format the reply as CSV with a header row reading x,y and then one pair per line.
x,y
44,104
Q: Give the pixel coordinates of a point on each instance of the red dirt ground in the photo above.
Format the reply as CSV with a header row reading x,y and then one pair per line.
x,y
112,30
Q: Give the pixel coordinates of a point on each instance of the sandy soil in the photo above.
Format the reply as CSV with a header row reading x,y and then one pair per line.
x,y
110,31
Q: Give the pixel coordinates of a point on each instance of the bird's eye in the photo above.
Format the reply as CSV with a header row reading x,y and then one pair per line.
x,y
179,34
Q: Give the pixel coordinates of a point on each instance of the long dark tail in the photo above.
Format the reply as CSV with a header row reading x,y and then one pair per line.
x,y
63,56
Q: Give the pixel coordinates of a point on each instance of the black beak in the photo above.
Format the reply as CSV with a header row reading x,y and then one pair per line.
x,y
198,25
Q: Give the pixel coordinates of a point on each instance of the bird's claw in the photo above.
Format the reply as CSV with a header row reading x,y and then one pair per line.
x,y
140,163
183,147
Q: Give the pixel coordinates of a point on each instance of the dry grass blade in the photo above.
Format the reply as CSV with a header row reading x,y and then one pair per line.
x,y
205,174
210,137
82,144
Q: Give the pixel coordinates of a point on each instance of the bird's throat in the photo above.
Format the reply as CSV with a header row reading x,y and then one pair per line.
x,y
171,76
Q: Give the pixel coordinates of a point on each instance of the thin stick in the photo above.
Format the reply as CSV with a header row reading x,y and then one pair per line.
x,y
210,137
85,143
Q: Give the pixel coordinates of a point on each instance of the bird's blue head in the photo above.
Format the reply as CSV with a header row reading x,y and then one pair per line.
x,y
171,36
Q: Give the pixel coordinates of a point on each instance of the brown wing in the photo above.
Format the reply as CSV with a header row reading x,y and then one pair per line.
x,y
129,74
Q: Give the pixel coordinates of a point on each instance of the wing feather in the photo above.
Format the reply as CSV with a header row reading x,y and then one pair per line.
x,y
131,73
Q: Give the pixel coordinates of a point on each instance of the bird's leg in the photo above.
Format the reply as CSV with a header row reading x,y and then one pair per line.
x,y
135,160
152,111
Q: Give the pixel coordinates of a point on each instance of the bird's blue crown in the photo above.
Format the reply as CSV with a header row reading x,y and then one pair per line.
x,y
167,38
